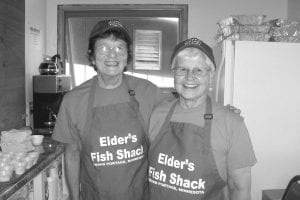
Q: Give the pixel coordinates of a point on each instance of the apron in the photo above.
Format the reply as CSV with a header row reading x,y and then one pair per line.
x,y
181,161
114,151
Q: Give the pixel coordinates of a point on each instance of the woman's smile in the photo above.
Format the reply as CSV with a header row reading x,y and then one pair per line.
x,y
190,86
111,63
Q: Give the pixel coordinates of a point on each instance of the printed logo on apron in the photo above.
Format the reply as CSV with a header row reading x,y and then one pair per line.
x,y
113,154
121,155
176,181
181,162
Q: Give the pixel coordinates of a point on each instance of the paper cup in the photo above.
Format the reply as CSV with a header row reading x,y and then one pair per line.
x,y
5,175
52,183
5,159
4,178
37,139
20,170
53,172
19,167
20,155
3,163
34,155
29,162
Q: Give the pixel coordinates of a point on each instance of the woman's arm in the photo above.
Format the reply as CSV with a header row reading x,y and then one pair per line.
x,y
239,181
72,169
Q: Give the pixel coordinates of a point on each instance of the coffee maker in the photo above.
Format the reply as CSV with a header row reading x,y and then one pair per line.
x,y
48,92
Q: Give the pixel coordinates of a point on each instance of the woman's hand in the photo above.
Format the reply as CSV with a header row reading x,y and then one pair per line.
x,y
234,109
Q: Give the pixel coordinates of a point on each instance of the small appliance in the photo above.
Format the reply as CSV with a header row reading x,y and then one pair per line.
x,y
48,92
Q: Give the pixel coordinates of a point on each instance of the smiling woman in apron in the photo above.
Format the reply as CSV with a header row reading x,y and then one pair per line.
x,y
103,122
198,148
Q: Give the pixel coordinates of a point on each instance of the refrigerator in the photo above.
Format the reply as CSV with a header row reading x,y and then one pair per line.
x,y
263,80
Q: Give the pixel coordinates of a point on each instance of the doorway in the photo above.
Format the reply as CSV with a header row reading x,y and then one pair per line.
x,y
168,23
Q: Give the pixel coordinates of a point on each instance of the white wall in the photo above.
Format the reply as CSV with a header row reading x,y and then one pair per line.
x,y
293,9
35,18
202,19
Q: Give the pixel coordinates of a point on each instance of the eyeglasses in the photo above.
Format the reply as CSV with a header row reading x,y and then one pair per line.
x,y
105,50
196,72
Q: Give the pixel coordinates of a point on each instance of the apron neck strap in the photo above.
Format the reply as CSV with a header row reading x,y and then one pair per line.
x,y
134,102
90,104
208,116
169,115
92,94
131,92
171,111
207,123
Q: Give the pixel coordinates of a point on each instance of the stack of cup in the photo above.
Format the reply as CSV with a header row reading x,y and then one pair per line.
x,y
18,163
34,155
52,183
20,167
6,169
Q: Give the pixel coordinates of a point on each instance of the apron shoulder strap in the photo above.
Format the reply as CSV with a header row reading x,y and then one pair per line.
x,y
208,116
135,104
131,92
90,105
164,126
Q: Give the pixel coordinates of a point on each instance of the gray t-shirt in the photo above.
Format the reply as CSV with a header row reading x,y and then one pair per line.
x,y
73,109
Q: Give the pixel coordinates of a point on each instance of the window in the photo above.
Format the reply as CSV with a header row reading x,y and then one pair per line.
x,y
147,49
155,30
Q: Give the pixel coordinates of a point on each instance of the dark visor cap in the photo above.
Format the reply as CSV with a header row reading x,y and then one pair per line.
x,y
196,43
112,24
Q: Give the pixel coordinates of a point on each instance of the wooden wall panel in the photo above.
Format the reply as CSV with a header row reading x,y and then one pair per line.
x,y
12,64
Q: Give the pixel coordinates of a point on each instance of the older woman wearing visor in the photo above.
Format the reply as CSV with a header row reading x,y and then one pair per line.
x,y
104,121
199,149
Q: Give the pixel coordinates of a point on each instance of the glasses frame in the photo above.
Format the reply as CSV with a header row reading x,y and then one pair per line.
x,y
199,74
101,50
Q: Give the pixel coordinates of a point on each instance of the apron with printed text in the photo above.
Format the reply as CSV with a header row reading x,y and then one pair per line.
x,y
181,162
114,151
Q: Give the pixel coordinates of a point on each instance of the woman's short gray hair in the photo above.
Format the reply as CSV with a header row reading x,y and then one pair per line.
x,y
196,43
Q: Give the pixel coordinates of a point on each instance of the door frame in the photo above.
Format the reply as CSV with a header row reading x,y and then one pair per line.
x,y
119,10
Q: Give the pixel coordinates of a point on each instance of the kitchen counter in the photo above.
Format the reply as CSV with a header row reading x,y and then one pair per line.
x,y
50,150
